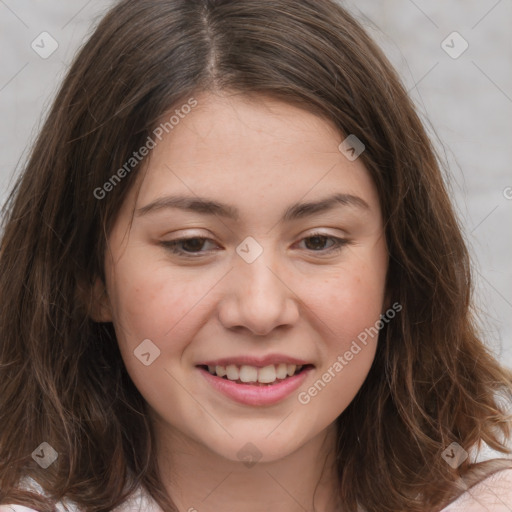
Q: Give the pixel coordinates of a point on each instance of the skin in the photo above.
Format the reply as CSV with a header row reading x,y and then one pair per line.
x,y
297,298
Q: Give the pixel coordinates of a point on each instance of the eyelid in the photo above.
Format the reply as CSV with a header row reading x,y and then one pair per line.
x,y
339,244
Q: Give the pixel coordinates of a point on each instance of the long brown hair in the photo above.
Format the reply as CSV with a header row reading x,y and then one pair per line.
x,y
433,382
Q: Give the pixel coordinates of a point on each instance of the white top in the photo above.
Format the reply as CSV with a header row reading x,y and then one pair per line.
x,y
139,502
494,494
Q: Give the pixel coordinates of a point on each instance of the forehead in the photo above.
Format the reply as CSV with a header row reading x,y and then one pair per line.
x,y
249,125
244,149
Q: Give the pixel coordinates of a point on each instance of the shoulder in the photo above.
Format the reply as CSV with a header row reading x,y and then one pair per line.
x,y
140,500
29,484
20,508
15,508
494,494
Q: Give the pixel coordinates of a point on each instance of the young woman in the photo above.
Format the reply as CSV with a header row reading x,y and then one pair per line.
x,y
232,279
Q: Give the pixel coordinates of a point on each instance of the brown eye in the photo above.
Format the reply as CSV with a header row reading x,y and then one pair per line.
x,y
187,246
317,243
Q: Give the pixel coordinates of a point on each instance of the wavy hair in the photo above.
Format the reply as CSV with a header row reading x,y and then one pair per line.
x,y
433,381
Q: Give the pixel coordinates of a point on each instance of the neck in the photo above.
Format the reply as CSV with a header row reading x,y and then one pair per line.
x,y
200,480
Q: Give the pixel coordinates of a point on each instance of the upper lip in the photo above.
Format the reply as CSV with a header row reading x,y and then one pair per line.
x,y
258,362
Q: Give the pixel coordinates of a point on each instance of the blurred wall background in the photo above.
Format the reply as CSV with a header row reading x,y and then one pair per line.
x,y
455,57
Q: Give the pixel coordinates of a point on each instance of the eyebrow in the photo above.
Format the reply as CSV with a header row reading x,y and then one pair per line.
x,y
208,206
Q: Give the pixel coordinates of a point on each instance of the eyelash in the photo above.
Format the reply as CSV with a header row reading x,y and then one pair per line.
x,y
172,245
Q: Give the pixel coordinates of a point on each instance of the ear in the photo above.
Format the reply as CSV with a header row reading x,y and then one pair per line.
x,y
99,307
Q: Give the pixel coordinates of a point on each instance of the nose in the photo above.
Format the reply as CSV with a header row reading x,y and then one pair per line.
x,y
258,296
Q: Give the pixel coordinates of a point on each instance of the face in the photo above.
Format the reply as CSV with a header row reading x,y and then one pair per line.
x,y
271,282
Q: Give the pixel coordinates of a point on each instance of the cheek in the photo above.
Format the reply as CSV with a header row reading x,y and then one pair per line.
x,y
349,313
150,304
351,300
147,302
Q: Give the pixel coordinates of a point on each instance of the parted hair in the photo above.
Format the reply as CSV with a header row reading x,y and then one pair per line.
x,y
433,380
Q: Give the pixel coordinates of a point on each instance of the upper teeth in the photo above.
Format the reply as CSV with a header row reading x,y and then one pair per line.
x,y
246,373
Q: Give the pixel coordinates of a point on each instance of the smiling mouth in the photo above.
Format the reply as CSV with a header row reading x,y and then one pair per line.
x,y
255,376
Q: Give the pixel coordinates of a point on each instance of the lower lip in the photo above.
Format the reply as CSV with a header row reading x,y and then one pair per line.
x,y
254,394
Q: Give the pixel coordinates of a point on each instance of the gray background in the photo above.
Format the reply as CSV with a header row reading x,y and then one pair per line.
x,y
465,101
